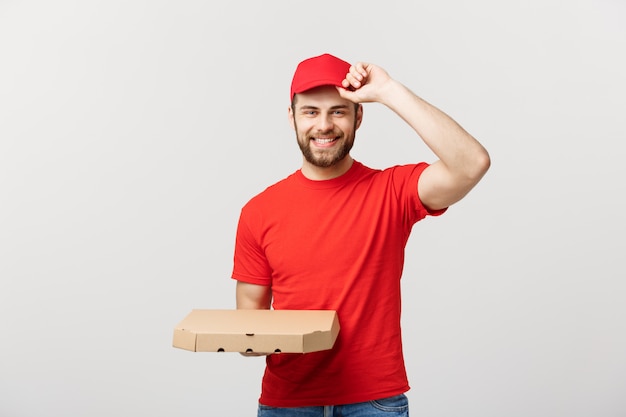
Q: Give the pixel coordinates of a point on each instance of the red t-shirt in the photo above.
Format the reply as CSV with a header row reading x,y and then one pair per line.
x,y
334,245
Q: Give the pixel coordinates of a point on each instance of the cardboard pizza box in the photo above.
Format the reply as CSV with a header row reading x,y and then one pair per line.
x,y
260,331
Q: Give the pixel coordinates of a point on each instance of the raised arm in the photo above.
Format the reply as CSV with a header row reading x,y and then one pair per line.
x,y
462,159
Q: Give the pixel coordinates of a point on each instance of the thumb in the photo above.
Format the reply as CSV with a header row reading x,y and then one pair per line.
x,y
348,94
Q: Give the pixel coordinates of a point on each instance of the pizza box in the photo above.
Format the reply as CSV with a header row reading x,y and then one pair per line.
x,y
257,331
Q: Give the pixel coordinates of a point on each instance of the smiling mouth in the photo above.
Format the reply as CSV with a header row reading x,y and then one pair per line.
x,y
323,141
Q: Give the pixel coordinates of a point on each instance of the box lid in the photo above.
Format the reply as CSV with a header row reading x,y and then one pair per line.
x,y
261,331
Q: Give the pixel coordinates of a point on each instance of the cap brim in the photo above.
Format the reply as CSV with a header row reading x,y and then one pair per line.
x,y
315,83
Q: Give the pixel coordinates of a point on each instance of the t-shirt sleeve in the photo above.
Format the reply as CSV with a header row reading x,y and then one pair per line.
x,y
249,263
406,178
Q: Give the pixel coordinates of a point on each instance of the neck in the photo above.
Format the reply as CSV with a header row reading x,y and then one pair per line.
x,y
316,173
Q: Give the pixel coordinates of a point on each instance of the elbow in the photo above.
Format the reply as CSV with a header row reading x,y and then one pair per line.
x,y
484,163
479,166
470,177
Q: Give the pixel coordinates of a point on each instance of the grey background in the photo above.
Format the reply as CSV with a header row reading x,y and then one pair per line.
x,y
133,131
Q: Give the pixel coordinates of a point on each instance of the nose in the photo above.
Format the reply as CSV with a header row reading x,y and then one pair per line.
x,y
324,123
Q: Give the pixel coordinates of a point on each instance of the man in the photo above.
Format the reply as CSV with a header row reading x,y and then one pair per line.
x,y
331,236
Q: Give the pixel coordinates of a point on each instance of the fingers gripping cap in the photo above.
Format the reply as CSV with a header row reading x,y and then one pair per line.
x,y
320,70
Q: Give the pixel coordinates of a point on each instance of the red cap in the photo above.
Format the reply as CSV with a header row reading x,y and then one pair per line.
x,y
319,70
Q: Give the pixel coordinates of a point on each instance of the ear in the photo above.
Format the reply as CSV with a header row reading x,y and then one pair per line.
x,y
359,116
290,116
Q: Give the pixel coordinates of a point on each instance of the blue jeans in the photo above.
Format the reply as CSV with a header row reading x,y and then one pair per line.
x,y
396,406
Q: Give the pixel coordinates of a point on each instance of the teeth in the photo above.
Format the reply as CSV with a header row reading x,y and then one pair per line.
x,y
324,140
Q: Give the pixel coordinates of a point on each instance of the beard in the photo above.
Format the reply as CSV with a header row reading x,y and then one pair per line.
x,y
326,157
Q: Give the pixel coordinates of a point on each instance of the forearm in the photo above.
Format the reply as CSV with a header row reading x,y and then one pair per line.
x,y
462,155
253,297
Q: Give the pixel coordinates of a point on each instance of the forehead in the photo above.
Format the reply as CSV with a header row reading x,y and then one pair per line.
x,y
322,97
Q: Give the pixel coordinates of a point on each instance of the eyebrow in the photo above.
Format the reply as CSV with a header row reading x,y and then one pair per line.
x,y
338,106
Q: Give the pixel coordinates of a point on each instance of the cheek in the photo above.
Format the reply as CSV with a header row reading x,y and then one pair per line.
x,y
302,126
346,125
